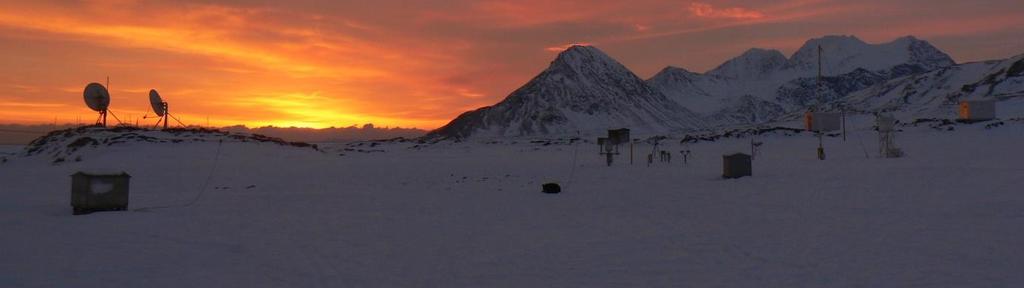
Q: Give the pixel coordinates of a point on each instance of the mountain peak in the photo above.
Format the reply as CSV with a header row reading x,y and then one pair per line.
x,y
833,42
845,53
581,48
676,70
581,54
583,91
829,43
910,38
755,63
760,52
671,75
923,53
838,39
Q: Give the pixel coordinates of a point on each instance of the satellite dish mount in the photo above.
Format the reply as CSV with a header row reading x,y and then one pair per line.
x,y
98,99
163,116
160,107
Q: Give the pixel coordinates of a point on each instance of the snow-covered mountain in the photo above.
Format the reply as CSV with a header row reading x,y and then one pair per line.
x,y
802,92
755,64
762,84
586,91
583,90
701,93
937,92
844,54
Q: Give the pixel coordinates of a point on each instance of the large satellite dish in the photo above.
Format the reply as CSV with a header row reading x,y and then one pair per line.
x,y
161,109
157,103
96,97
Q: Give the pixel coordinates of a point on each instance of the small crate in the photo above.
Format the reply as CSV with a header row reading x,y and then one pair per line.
x,y
92,192
736,165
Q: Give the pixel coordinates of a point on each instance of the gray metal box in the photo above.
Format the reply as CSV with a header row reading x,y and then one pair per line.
x,y
91,192
822,121
736,165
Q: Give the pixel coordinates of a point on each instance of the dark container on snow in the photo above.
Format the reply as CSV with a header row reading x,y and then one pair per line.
x,y
618,136
91,192
551,188
736,165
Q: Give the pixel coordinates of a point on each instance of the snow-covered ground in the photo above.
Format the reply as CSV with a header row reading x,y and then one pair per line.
x,y
949,214
10,149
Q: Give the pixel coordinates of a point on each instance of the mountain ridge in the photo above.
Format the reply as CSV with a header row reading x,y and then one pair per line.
x,y
582,91
936,93
848,63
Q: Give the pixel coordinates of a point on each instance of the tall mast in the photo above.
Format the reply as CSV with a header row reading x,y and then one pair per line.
x,y
818,88
817,92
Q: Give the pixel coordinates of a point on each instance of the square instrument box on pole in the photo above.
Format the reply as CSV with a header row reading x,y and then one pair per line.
x,y
822,121
977,110
618,136
91,192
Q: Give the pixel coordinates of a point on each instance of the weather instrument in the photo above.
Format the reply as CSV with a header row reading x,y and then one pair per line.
x,y
887,136
98,99
817,92
161,109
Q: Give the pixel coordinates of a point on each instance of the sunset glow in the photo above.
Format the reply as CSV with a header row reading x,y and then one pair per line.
x,y
341,63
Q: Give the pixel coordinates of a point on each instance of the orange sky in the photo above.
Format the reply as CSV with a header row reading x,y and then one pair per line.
x,y
339,63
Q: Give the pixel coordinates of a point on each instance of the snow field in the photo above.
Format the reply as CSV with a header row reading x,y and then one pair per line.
x,y
467,214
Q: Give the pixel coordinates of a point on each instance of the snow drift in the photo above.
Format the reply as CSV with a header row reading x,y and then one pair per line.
x,y
71,144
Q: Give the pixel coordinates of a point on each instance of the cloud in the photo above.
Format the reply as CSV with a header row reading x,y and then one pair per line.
x,y
706,10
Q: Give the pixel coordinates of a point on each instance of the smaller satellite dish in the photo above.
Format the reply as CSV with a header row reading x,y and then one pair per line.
x,y
156,102
96,97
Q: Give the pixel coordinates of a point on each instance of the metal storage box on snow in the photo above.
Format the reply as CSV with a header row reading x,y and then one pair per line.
x,y
736,165
91,192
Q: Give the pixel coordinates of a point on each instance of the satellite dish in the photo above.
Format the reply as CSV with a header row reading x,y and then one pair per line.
x,y
96,97
157,103
161,109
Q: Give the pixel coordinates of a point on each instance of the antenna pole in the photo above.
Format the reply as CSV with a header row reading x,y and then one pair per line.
x,y
818,89
821,100
843,111
165,114
104,113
